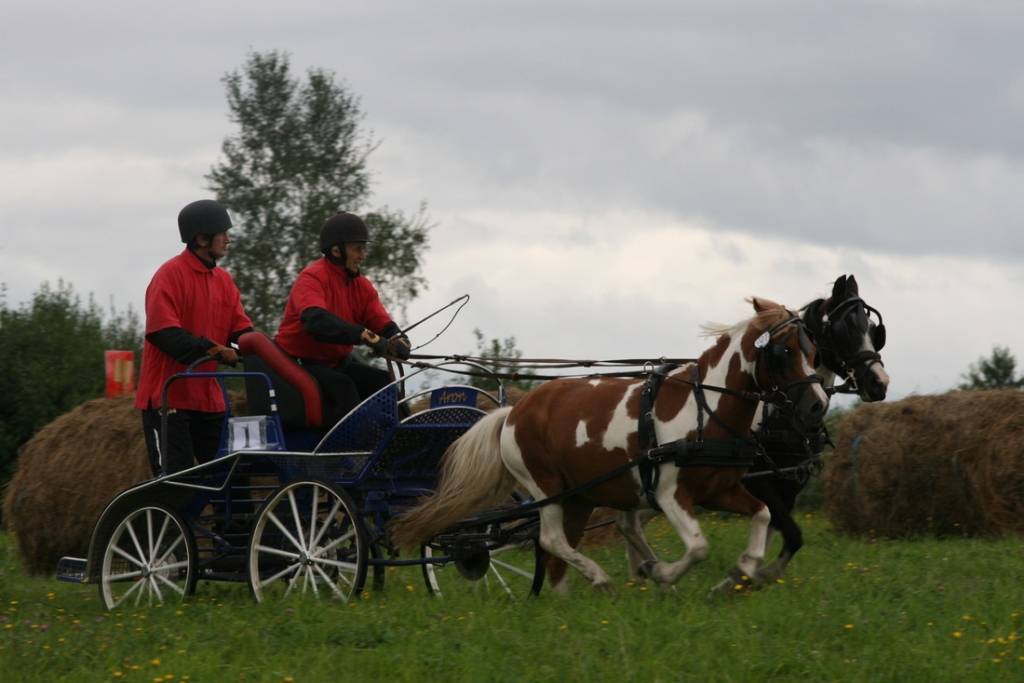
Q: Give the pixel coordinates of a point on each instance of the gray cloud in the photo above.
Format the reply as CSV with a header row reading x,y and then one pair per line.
x,y
863,136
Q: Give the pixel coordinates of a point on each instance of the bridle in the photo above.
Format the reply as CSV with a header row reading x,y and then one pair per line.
x,y
738,451
773,355
835,325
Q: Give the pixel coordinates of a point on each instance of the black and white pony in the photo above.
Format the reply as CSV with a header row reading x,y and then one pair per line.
x,y
849,333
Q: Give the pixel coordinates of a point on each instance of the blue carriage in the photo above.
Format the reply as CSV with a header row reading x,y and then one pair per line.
x,y
298,502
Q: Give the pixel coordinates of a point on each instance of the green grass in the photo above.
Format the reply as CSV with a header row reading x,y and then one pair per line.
x,y
849,610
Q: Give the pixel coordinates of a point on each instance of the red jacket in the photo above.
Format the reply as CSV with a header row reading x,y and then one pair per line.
x,y
203,301
325,285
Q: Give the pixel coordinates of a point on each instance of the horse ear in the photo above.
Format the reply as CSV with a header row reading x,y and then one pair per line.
x,y
839,289
851,286
761,305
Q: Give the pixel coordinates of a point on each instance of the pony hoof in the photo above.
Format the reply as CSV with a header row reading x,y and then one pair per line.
x,y
735,582
767,575
646,570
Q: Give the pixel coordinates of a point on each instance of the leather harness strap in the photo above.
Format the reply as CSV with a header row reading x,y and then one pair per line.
x,y
736,452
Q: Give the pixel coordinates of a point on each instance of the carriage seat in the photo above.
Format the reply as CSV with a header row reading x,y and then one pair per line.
x,y
299,401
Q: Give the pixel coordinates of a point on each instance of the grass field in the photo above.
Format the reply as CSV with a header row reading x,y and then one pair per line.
x,y
849,610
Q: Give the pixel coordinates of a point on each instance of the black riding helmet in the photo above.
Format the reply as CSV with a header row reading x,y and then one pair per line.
x,y
204,217
341,228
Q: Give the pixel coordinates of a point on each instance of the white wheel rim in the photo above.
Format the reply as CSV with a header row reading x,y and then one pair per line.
x,y
305,541
146,561
510,574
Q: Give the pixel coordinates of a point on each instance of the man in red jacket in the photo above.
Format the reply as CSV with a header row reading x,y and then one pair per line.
x,y
333,307
193,310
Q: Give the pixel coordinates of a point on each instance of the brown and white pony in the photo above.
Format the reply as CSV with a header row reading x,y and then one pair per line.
x,y
569,432
849,334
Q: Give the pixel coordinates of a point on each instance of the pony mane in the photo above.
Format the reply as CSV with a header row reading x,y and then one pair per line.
x,y
761,321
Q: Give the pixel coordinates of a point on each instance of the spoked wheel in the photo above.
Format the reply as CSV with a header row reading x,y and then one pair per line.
x,y
308,539
515,570
150,558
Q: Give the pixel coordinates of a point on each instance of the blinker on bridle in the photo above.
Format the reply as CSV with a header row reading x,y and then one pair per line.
x,y
774,353
834,325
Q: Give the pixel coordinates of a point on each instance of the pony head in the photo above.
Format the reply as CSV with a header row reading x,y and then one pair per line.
x,y
784,358
849,334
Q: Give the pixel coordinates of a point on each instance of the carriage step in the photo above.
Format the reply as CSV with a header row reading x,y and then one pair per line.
x,y
72,569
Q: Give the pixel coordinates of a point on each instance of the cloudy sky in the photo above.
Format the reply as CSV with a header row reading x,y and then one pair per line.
x,y
603,177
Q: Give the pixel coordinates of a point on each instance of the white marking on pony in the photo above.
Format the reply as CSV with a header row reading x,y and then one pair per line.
x,y
752,557
553,540
818,389
678,426
581,433
594,382
552,530
621,424
688,529
512,456
875,367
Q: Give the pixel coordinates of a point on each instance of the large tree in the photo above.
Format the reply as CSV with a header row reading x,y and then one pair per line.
x,y
298,156
998,371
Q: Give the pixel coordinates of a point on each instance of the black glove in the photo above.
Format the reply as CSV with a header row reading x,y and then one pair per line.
x,y
377,343
399,347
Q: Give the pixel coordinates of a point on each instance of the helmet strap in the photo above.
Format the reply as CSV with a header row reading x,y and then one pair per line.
x,y
341,261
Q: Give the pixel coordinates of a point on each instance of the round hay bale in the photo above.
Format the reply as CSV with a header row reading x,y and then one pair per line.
x,y
66,475
69,471
945,464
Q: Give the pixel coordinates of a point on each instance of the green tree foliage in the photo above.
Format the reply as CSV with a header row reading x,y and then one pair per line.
x,y
297,157
492,351
998,371
51,359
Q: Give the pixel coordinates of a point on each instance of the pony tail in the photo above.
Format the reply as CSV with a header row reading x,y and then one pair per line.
x,y
473,478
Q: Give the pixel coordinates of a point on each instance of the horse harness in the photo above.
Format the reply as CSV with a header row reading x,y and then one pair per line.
x,y
700,452
739,451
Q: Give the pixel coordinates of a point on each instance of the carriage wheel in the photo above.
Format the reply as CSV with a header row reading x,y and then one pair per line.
x,y
150,558
514,571
308,539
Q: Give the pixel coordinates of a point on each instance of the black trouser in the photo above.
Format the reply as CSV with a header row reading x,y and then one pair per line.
x,y
346,385
192,435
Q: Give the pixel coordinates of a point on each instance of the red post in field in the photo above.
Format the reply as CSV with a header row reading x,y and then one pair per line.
x,y
120,370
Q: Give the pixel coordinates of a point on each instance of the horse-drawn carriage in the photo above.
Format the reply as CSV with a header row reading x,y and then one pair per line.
x,y
299,502
296,504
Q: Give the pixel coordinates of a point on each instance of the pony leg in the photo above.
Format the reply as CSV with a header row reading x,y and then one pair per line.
x,y
769,534
575,517
638,551
679,513
740,501
792,541
553,540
